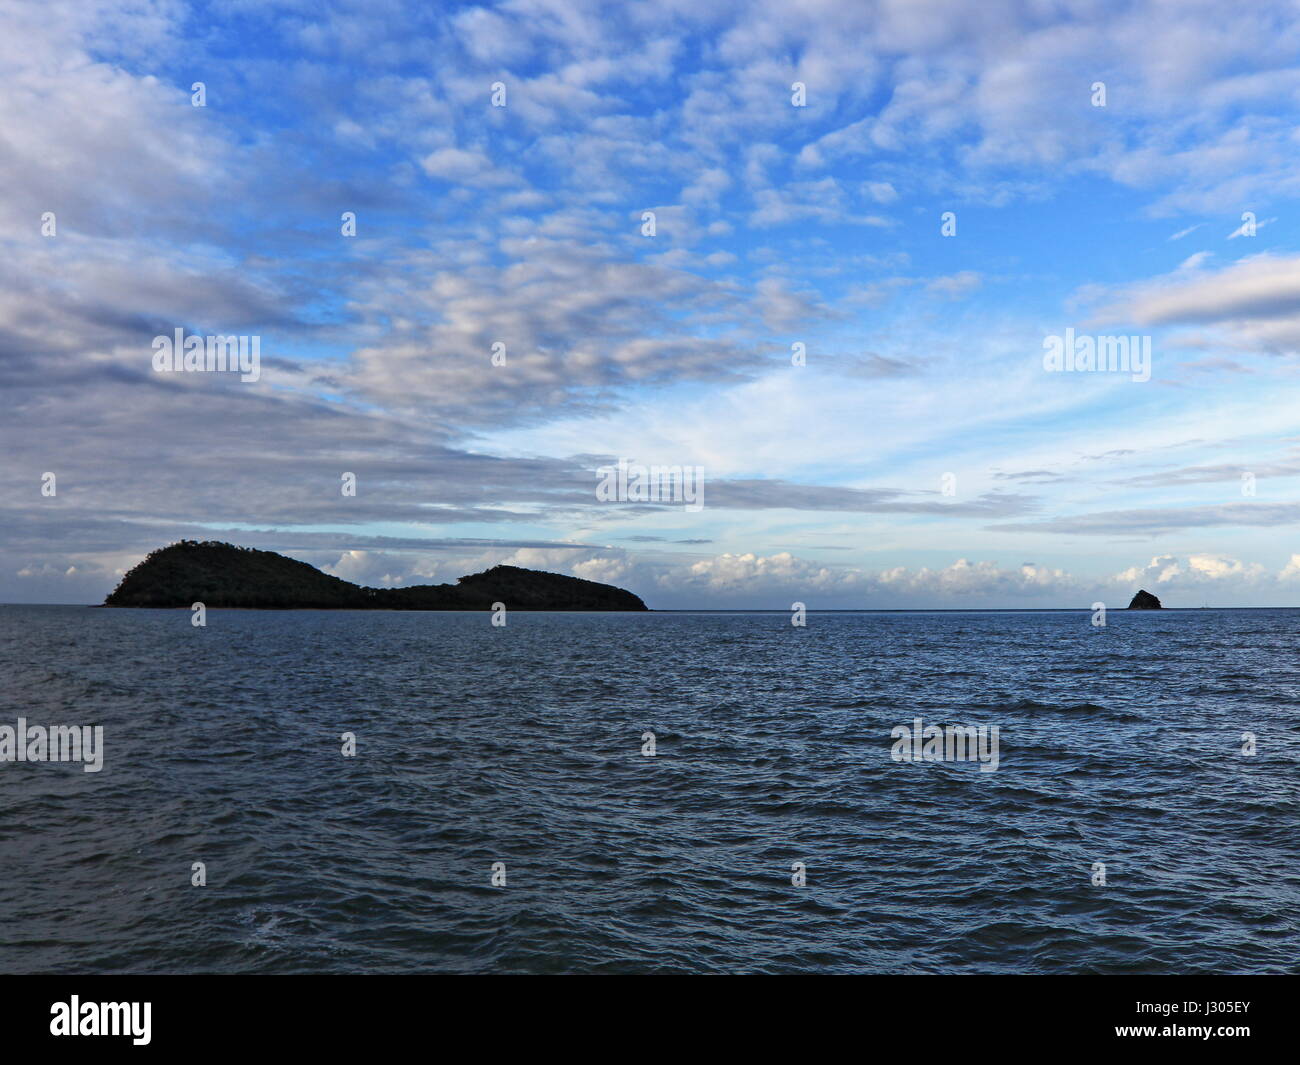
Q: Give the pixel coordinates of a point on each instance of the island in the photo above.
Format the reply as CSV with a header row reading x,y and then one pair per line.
x,y
1144,600
223,575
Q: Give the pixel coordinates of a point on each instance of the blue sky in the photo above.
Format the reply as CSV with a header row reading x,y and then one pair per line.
x,y
775,225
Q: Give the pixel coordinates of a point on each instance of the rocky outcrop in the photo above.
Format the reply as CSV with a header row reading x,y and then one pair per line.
x,y
223,575
1144,600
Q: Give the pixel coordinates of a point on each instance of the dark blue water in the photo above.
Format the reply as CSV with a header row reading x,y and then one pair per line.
x,y
522,745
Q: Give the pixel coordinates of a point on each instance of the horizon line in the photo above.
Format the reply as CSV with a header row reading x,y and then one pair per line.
x,y
715,610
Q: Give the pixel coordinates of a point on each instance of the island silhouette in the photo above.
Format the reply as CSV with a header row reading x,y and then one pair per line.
x,y
223,575
1144,600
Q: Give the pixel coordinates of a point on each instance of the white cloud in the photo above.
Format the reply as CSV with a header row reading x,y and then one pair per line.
x,y
1255,301
1192,571
379,569
464,167
784,574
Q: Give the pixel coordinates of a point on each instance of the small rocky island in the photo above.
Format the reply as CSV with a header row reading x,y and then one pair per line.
x,y
223,575
1144,600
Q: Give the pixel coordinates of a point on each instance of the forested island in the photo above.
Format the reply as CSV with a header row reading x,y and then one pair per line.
x,y
223,575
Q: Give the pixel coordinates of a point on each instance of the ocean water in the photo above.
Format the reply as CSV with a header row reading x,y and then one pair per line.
x,y
523,745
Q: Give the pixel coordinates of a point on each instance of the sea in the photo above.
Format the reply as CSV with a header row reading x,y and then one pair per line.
x,y
376,792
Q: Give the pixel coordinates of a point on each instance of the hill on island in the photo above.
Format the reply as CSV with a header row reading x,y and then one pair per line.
x,y
223,575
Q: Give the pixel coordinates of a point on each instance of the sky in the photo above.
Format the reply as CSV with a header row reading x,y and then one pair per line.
x,y
869,222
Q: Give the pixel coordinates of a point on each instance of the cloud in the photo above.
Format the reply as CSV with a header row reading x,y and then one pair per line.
x,y
464,167
783,307
1256,299
1262,286
383,570
577,322
1194,571
774,493
874,365
109,151
1219,472
603,570
784,575
823,201
954,286
1156,521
